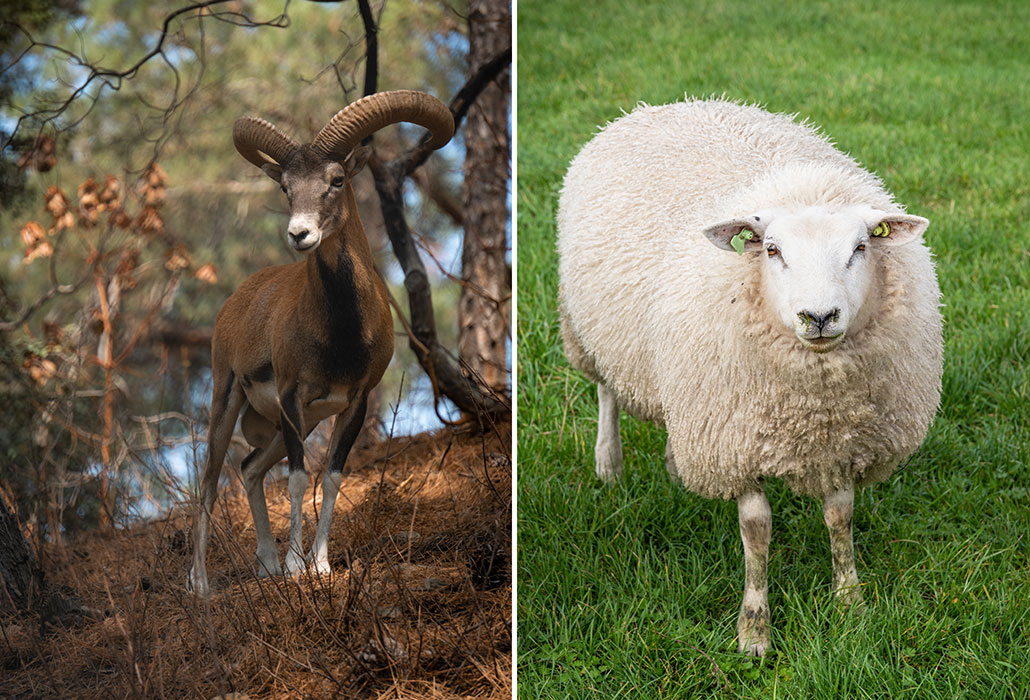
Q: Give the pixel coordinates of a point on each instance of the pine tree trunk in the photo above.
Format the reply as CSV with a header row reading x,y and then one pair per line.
x,y
483,312
18,577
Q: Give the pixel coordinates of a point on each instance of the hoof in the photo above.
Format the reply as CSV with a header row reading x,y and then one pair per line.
x,y
319,567
753,648
197,585
268,566
295,564
608,473
753,631
850,597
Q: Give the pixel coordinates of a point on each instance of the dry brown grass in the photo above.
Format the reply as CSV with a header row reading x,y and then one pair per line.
x,y
418,606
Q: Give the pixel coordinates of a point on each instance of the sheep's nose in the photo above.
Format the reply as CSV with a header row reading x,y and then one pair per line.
x,y
298,236
818,319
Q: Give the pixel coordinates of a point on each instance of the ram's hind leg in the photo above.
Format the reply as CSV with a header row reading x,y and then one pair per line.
x,y
838,509
755,518
608,451
226,400
345,432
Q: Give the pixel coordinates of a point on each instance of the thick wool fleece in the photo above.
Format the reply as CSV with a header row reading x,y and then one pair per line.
x,y
679,329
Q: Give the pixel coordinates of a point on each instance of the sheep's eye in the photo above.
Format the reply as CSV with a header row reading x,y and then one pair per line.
x,y
337,181
860,248
772,250
283,188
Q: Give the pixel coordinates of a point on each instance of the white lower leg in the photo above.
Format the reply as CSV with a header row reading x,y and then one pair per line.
x,y
266,558
295,552
608,451
755,518
320,549
198,574
838,511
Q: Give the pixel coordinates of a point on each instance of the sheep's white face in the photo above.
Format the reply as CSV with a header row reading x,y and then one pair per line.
x,y
818,266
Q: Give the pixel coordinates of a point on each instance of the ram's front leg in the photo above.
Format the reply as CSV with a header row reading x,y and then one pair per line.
x,y
755,518
838,509
291,422
345,432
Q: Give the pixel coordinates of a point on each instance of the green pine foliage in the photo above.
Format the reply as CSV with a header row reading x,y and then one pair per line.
x,y
633,590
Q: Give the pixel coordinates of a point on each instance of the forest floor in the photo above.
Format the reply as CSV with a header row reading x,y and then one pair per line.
x,y
418,605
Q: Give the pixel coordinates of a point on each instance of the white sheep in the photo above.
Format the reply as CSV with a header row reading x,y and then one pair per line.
x,y
814,356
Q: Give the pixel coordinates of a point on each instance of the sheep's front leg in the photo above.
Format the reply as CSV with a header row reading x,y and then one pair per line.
x,y
608,451
838,509
755,518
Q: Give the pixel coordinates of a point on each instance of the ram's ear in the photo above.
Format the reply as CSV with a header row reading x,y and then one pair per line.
x,y
896,229
356,160
739,235
273,170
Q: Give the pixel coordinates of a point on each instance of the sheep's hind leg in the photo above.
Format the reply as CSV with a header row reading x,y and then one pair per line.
x,y
838,509
755,519
670,461
608,451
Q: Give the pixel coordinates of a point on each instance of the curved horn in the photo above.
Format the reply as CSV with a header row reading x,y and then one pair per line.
x,y
369,114
260,142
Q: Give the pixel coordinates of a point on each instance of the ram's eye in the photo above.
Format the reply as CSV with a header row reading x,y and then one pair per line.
x,y
860,248
772,250
337,181
283,188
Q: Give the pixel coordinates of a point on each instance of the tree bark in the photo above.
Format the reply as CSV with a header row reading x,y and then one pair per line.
x,y
19,578
484,306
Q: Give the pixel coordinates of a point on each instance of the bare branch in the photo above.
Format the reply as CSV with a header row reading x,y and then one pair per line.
x,y
36,305
460,104
101,78
471,394
371,50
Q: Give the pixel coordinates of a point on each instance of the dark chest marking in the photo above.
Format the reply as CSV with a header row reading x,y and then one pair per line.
x,y
345,354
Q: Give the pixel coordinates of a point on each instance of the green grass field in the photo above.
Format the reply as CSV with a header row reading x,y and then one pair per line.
x,y
632,591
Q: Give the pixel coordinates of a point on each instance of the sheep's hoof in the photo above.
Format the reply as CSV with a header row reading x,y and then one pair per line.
x,y
753,631
850,597
608,473
753,647
608,460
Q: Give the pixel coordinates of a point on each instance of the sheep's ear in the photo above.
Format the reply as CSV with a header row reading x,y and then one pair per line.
x,y
739,235
356,160
273,170
897,229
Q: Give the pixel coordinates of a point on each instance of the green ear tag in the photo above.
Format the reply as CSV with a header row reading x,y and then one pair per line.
x,y
882,230
745,234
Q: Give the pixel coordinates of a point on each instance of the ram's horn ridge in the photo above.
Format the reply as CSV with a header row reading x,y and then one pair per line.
x,y
369,114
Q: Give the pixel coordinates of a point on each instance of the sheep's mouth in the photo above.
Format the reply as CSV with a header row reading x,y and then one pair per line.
x,y
822,343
